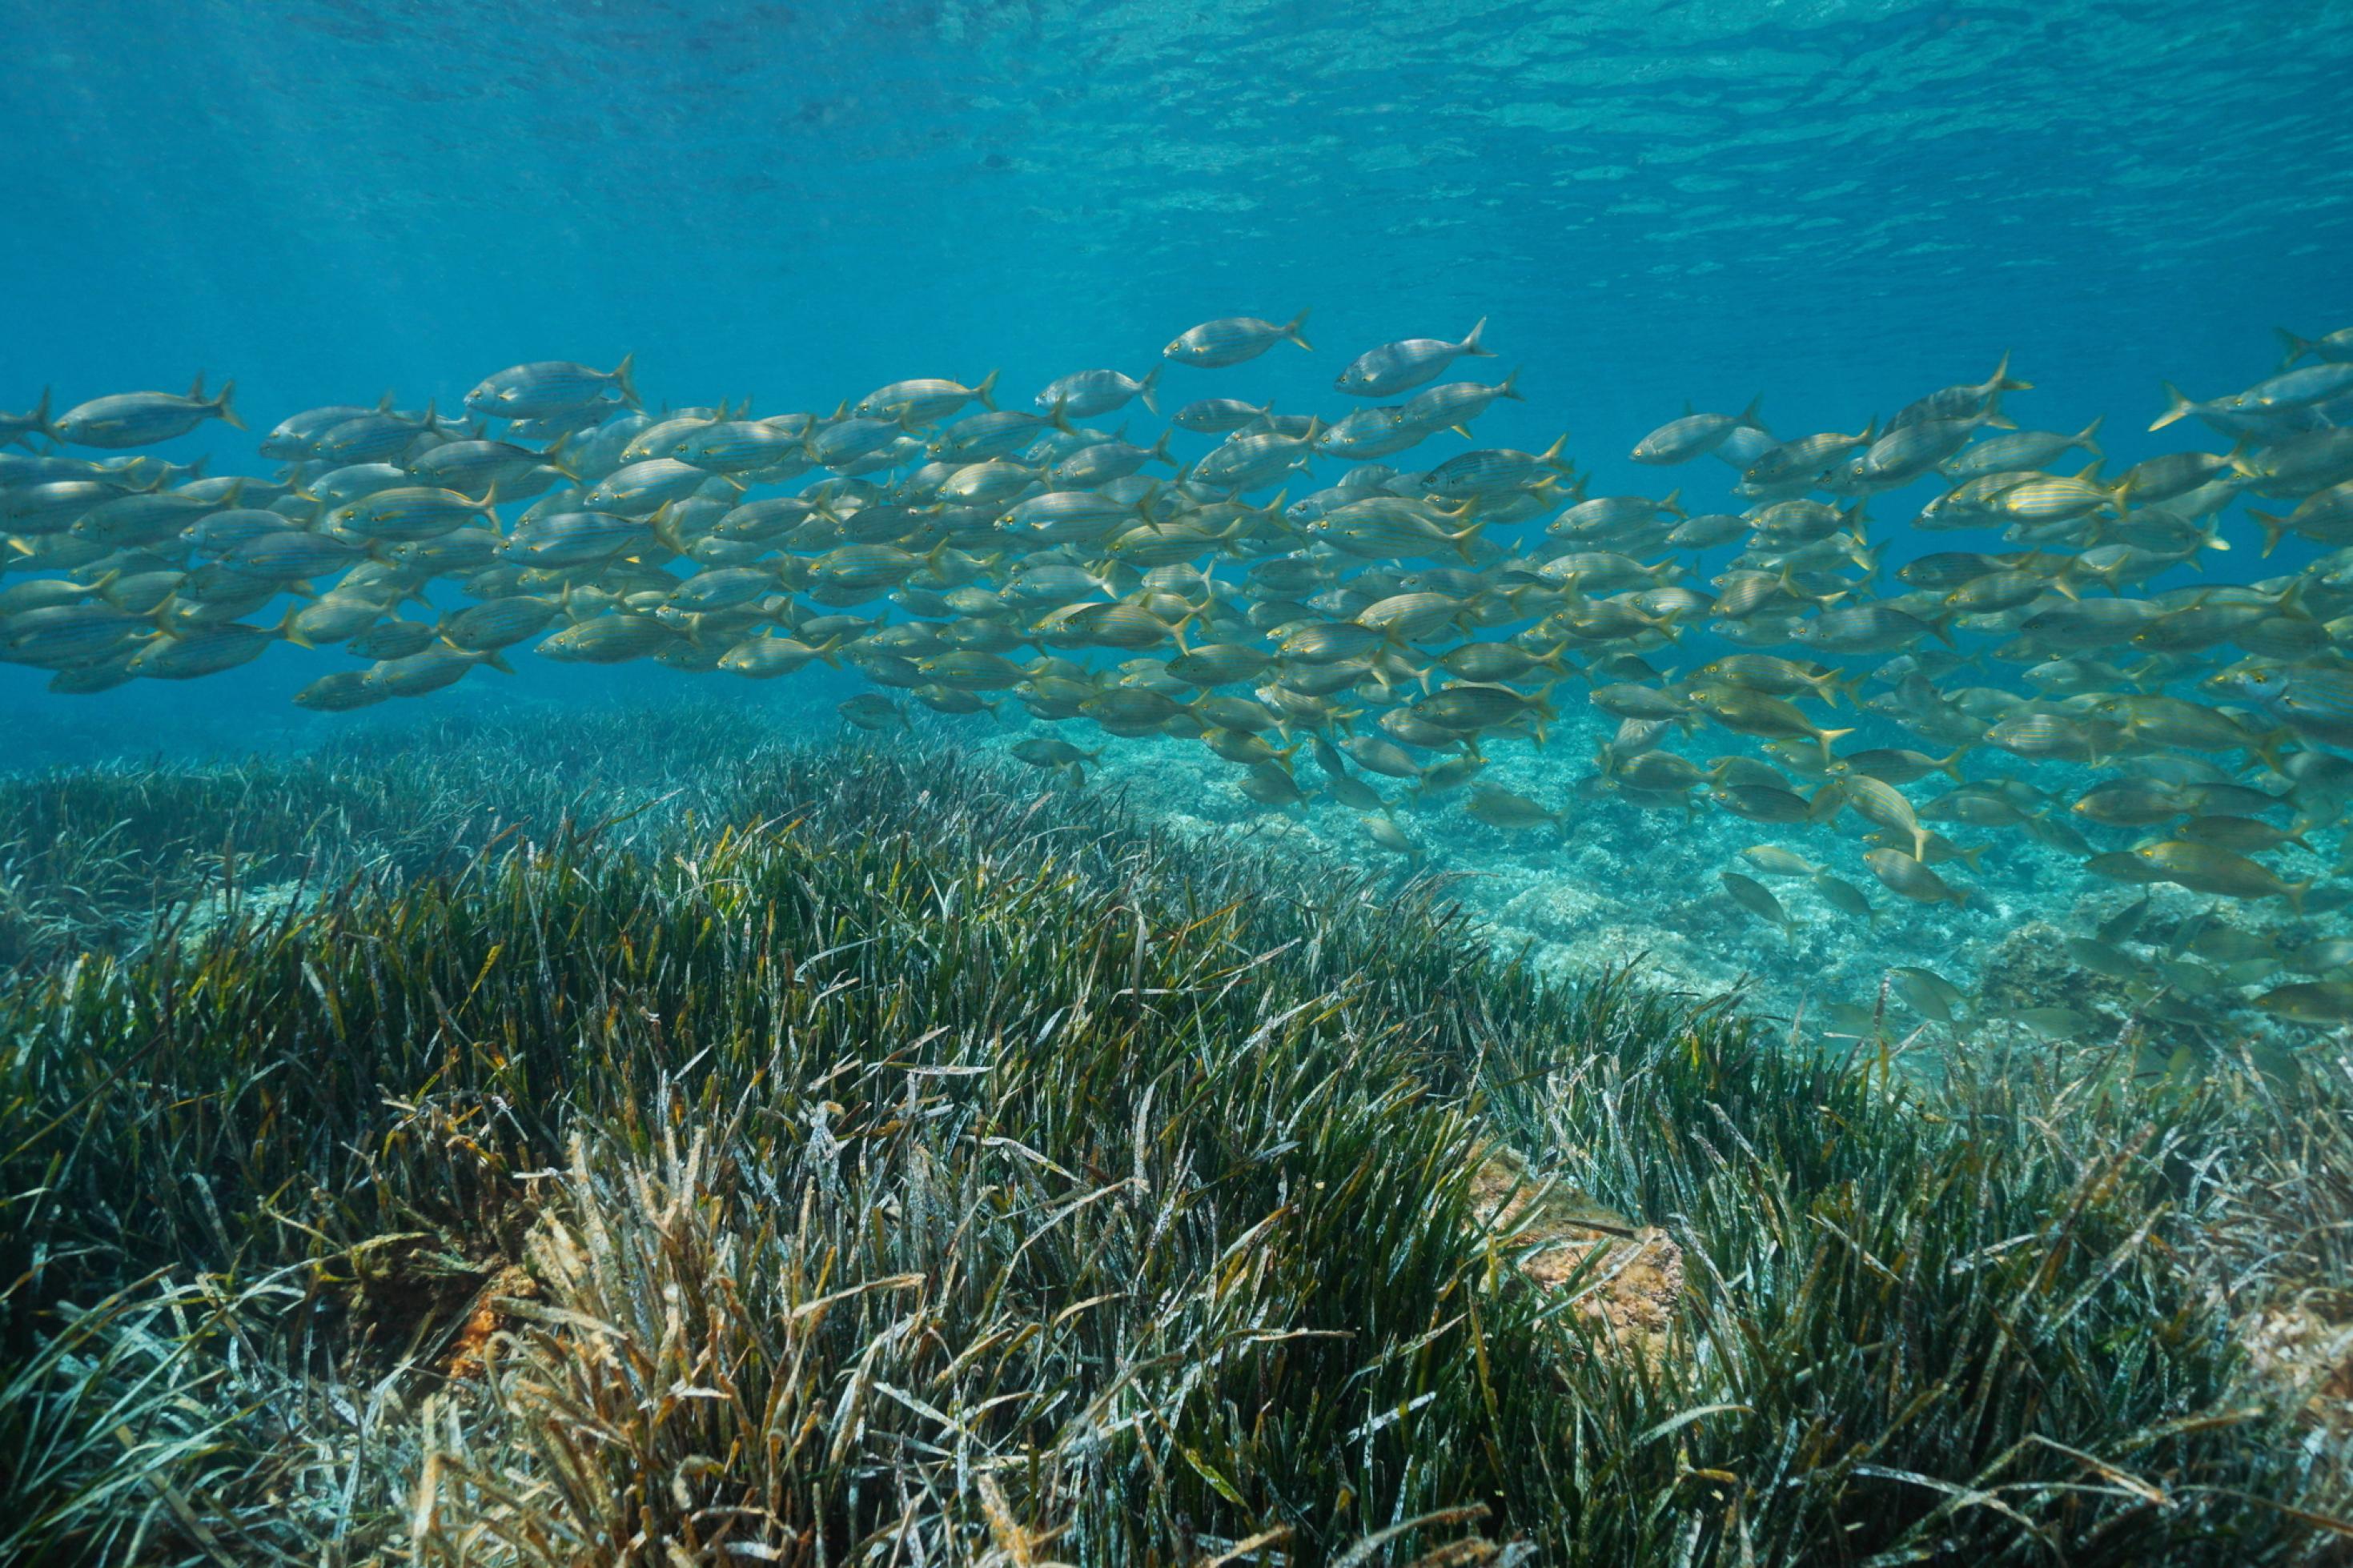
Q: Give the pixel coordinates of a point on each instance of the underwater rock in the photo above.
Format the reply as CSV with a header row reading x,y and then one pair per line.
x,y
2309,1357
1637,1278
489,1313
2029,968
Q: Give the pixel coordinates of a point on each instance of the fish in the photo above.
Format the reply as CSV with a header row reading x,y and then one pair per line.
x,y
1930,993
1231,340
2324,1004
1844,897
1695,434
1397,367
1772,860
2203,868
547,387
1907,876
189,652
1084,394
768,656
1452,405
2022,450
924,401
2316,702
1805,457
1881,803
1757,899
1506,809
142,418
1471,474
1905,452
613,639
1756,714
342,692
431,670
63,635
1219,416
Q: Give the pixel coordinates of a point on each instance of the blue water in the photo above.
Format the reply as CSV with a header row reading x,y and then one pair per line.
x,y
1840,204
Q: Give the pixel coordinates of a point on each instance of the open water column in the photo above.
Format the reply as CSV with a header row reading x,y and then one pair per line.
x,y
1424,783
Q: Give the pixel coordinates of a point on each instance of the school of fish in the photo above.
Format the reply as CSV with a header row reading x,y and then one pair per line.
x,y
1394,625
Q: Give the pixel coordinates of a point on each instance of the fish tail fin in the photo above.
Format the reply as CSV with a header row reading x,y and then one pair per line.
x,y
1749,416
1160,451
1148,390
1826,736
984,393
2295,892
2273,526
1510,386
489,505
1550,455
2296,347
2267,746
2005,382
1291,330
285,631
1995,418
1672,506
2176,405
556,458
220,404
1471,340
497,661
625,379
667,530
2088,438
1058,417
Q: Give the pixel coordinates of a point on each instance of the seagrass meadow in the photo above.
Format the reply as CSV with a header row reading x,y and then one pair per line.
x,y
647,1137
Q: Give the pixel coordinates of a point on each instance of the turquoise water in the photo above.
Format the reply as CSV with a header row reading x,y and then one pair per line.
x,y
1840,206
